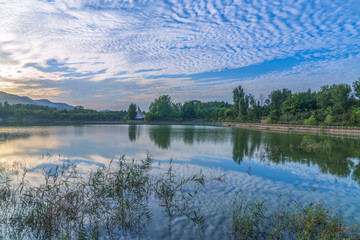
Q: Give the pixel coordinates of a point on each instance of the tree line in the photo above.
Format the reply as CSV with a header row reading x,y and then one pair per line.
x,y
336,104
31,113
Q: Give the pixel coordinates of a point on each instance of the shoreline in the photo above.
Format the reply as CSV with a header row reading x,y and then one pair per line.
x,y
330,130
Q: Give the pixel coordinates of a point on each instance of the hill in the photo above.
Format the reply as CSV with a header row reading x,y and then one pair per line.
x,y
15,99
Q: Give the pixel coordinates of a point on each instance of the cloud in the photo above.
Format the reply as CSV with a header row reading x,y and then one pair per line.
x,y
92,41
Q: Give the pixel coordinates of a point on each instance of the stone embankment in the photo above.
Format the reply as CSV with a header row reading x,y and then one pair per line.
x,y
338,130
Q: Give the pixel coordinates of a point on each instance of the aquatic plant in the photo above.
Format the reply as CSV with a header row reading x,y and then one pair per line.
x,y
109,203
115,201
293,221
178,196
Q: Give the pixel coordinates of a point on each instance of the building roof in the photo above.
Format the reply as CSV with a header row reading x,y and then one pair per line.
x,y
139,114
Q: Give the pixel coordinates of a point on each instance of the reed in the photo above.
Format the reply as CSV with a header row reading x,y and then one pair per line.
x,y
115,201
293,221
110,202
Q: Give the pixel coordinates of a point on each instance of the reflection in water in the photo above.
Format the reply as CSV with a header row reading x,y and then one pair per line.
x,y
335,156
245,144
132,132
332,155
258,164
189,135
6,135
79,130
161,135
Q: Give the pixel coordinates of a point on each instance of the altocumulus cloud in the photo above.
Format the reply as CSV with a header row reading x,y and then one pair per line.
x,y
88,50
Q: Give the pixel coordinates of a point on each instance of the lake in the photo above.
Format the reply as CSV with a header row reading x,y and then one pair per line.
x,y
256,165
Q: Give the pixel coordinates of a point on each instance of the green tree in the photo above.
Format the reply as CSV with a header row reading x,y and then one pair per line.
x,y
132,111
302,102
277,98
323,97
161,109
189,109
254,111
340,95
241,102
356,86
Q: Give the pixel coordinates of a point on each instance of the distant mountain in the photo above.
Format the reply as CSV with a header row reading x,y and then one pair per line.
x,y
15,99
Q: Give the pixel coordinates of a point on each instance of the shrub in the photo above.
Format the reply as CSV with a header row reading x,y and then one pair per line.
x,y
310,121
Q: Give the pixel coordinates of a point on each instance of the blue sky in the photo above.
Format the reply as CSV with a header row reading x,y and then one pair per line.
x,y
105,54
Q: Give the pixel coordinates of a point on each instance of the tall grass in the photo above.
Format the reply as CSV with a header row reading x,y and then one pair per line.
x,y
114,202
178,196
293,221
110,203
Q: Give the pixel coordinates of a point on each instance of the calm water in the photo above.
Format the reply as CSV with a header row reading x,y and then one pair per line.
x,y
256,164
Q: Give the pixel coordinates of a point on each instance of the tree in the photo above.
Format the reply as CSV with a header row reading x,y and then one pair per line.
x,y
189,109
161,109
356,86
340,97
277,98
323,97
241,102
132,111
254,111
302,102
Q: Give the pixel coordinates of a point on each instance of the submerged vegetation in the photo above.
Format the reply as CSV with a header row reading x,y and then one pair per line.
x,y
116,201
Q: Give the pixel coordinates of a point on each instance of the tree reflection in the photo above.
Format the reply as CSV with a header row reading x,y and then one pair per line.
x,y
79,130
6,136
161,135
189,135
332,155
245,144
132,132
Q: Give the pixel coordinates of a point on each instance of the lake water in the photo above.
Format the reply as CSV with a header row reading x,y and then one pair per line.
x,y
258,165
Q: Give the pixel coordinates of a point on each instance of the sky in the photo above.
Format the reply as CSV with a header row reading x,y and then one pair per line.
x,y
105,54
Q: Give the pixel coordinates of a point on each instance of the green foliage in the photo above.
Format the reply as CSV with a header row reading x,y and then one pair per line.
x,y
246,108
293,221
329,120
213,111
132,111
356,86
176,196
282,106
299,102
340,97
112,202
323,98
189,110
247,220
268,120
310,121
277,98
19,113
162,109
241,102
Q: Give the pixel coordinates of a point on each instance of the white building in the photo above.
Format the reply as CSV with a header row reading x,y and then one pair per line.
x,y
139,114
